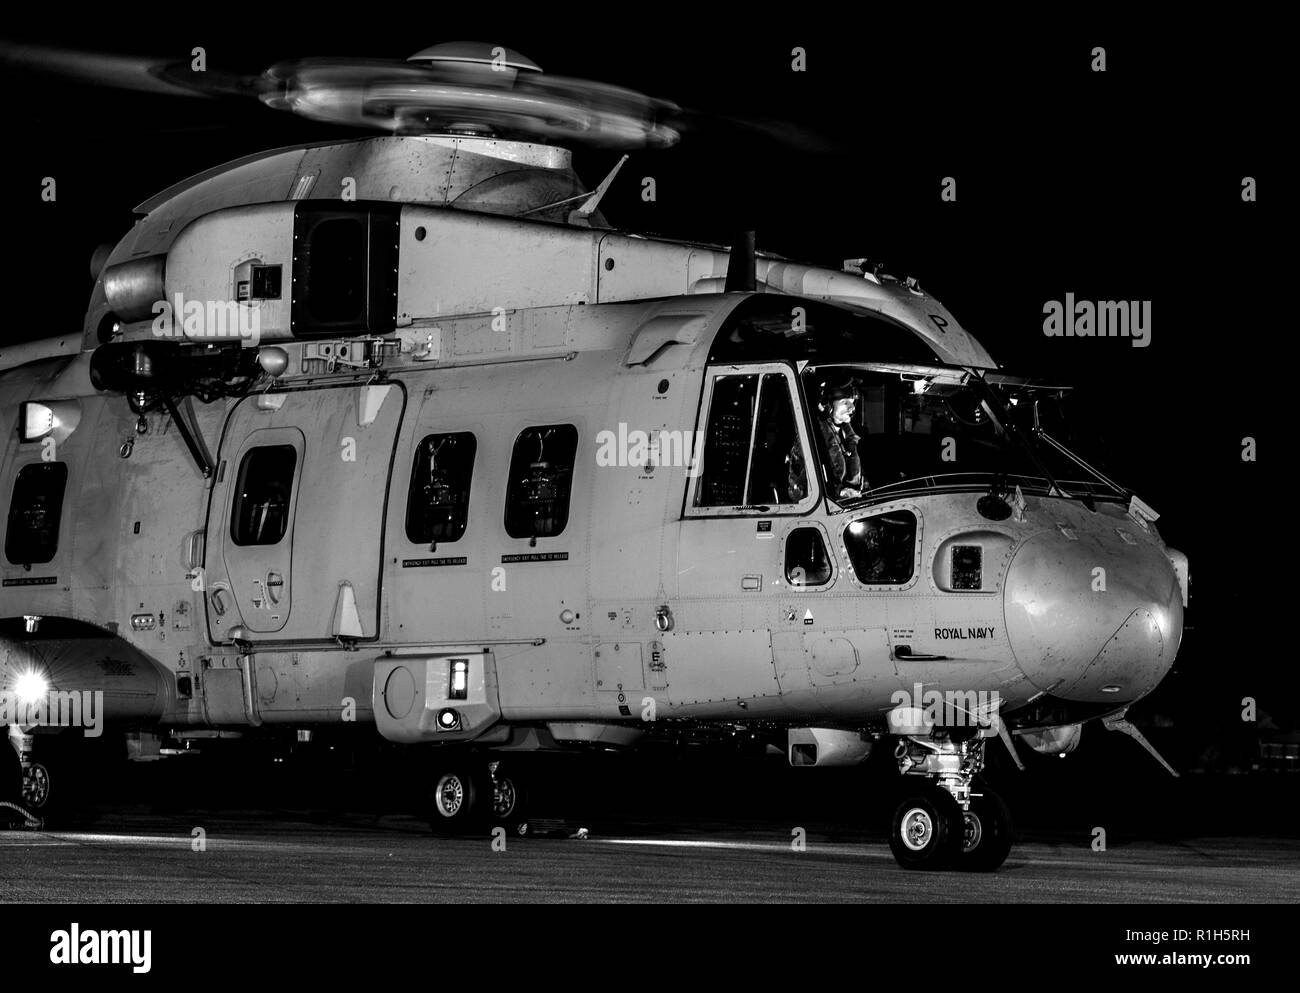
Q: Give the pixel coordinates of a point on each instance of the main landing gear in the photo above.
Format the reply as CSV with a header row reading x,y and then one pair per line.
x,y
941,823
471,794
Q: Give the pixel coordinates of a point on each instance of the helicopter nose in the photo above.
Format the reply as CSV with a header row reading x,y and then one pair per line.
x,y
1090,619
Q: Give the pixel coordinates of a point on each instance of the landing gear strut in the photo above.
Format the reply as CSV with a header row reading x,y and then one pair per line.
x,y
943,823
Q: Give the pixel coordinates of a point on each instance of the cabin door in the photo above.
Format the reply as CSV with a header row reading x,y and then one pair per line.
x,y
753,472
295,522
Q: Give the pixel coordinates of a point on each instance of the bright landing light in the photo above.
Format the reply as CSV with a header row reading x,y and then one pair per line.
x,y
31,687
38,421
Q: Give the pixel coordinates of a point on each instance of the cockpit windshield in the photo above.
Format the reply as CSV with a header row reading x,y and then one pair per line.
x,y
890,429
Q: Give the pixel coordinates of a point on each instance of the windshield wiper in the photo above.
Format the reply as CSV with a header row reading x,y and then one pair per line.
x,y
1008,424
1119,490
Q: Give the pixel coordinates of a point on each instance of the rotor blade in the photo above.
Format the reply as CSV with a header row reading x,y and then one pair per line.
x,y
140,73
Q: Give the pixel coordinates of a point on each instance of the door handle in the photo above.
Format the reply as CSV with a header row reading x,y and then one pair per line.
x,y
274,586
905,652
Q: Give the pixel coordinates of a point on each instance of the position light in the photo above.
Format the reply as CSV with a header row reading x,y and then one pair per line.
x,y
31,687
919,385
448,720
273,360
459,684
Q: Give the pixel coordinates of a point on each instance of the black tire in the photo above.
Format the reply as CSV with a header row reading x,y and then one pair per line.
x,y
926,830
43,790
57,782
11,780
507,801
987,834
455,799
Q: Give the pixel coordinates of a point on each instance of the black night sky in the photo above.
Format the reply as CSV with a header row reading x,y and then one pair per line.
x,y
1123,184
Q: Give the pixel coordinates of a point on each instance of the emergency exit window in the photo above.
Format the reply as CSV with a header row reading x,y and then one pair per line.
x,y
32,537
262,494
437,504
541,478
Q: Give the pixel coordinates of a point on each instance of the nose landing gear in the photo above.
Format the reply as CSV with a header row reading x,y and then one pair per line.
x,y
987,834
943,824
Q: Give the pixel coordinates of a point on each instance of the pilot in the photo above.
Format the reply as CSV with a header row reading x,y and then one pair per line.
x,y
839,441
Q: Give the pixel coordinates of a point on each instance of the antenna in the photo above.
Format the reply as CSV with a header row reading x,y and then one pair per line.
x,y
741,266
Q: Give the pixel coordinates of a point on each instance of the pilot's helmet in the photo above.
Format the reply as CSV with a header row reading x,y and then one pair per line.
x,y
837,389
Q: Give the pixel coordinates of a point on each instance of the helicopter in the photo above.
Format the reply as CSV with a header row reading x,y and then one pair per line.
x,y
397,431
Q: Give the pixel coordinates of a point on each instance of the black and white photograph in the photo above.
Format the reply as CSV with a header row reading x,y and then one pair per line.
x,y
647,455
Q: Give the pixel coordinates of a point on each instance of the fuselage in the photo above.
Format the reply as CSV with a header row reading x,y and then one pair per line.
x,y
473,483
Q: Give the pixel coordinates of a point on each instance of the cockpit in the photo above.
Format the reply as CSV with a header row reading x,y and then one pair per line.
x,y
935,429
868,402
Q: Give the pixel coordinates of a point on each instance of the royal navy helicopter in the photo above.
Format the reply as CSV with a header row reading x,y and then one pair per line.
x,y
398,431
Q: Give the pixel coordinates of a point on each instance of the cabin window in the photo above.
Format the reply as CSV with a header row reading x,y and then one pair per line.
x,y
541,477
34,513
882,548
437,506
262,494
752,450
807,563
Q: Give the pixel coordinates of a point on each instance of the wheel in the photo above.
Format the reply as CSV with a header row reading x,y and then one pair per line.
x,y
38,791
927,829
509,801
987,834
454,800
11,780
56,784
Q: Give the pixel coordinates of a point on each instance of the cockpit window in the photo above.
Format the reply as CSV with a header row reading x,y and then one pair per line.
x,y
262,494
882,548
807,563
753,455
888,431
784,328
726,445
777,474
